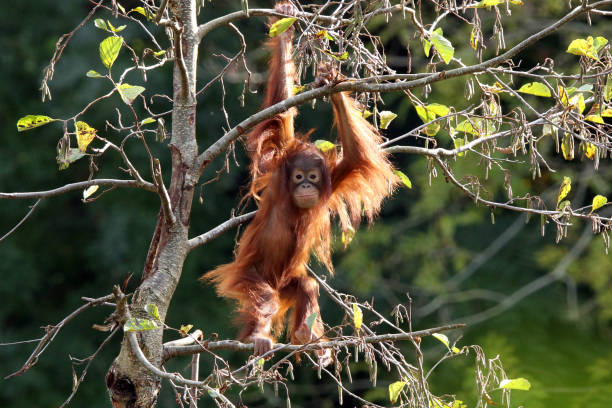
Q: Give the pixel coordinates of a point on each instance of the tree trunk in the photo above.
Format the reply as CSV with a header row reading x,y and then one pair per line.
x,y
130,384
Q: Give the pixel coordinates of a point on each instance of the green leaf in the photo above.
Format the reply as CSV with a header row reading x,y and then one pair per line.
x,y
426,47
129,92
566,187
567,147
438,109
577,102
598,202
94,74
148,120
137,324
515,384
310,320
32,121
151,309
101,24
261,362
185,328
281,26
404,178
324,145
385,118
607,94
458,143
395,389
159,53
213,393
72,155
442,45
357,316
595,119
535,88
109,50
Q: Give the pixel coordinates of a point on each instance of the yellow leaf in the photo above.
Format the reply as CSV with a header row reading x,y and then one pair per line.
x,y
577,102
567,147
357,316
348,235
442,338
324,145
598,202
31,121
281,26
395,389
404,178
595,119
515,384
565,188
84,134
366,114
109,50
535,88
185,328
590,151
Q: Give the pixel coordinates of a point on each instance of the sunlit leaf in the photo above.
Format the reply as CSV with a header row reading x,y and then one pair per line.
x,y
31,121
442,45
385,118
115,29
404,178
129,92
598,202
151,309
566,187
458,143
261,362
185,328
159,53
595,119
357,316
213,393
89,191
299,88
395,389
442,338
473,38
491,3
607,93
366,114
590,151
535,88
424,114
438,109
84,135
148,120
567,147
515,384
455,350
324,145
143,11
348,235
94,74
109,50
281,26
101,24
426,47
577,102
324,34
138,324
588,47
310,320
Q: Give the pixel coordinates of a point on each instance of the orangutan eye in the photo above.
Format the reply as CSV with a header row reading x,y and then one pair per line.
x,y
314,176
298,176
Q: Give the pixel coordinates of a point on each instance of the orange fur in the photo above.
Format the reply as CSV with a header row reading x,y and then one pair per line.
x,y
268,275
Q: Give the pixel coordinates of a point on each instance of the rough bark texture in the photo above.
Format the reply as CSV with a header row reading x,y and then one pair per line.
x,y
130,383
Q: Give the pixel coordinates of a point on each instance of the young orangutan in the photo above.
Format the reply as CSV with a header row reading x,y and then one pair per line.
x,y
298,188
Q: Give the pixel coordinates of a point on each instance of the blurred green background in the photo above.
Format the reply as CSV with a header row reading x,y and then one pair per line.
x,y
430,243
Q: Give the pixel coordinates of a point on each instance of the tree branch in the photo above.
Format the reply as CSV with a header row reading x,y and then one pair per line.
x,y
176,351
364,86
77,186
219,229
20,223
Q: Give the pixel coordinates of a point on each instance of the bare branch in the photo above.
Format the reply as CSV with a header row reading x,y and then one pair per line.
x,y
163,193
20,223
77,186
176,351
219,229
51,332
